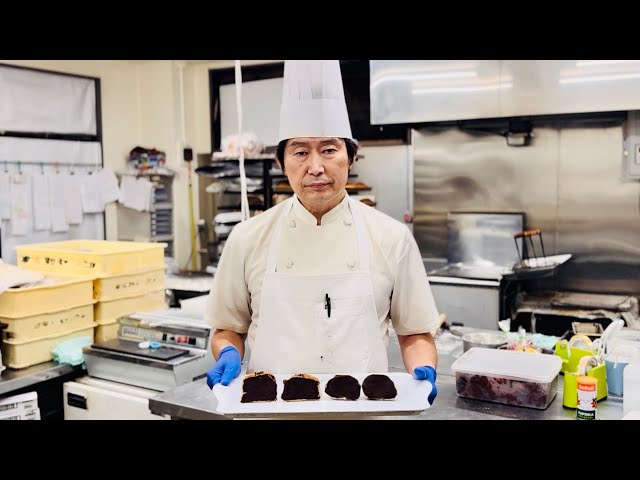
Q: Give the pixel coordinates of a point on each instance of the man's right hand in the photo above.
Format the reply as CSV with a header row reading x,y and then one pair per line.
x,y
226,368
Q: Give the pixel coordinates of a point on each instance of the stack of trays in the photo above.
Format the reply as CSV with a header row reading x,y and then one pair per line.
x,y
120,295
128,277
41,316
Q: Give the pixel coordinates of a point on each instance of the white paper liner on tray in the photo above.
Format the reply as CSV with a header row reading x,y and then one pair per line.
x,y
412,398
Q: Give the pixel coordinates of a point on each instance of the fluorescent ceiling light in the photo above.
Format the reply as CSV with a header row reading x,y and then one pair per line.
x,y
591,63
462,89
598,78
422,76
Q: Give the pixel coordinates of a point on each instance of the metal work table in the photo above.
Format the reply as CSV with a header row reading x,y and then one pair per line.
x,y
12,379
46,379
196,402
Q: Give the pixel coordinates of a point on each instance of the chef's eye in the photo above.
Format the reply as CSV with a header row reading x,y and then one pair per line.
x,y
300,154
330,150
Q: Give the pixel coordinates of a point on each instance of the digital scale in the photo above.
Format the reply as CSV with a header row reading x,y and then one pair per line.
x,y
184,354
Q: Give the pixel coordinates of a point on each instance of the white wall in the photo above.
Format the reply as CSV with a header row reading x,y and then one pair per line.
x,y
141,105
385,169
121,127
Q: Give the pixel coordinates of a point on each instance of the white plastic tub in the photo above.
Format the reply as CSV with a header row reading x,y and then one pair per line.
x,y
505,376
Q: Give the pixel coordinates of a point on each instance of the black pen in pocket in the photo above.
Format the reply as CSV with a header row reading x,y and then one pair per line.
x,y
327,304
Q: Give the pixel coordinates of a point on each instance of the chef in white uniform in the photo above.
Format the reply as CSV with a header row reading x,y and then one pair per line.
x,y
312,283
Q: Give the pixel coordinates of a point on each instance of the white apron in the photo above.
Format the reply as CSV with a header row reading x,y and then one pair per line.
x,y
295,333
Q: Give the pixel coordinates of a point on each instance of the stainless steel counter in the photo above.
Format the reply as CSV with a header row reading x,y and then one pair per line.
x,y
15,379
196,402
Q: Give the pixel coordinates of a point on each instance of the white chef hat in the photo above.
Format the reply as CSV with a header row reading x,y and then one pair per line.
x,y
313,102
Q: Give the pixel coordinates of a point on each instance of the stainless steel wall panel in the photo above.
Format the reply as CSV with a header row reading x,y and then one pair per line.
x,y
416,91
406,91
568,182
598,213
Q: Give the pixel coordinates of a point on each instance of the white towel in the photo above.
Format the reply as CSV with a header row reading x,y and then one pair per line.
x,y
56,203
135,194
5,197
72,198
20,204
108,185
92,199
41,205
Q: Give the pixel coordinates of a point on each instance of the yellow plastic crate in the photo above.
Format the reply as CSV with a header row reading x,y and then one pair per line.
x,y
24,354
96,258
107,331
59,292
130,285
109,312
35,327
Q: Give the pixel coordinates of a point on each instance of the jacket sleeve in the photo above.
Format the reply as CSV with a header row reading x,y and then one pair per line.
x,y
413,309
229,300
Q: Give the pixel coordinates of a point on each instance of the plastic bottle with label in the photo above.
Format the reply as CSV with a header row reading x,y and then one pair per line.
x,y
587,404
631,382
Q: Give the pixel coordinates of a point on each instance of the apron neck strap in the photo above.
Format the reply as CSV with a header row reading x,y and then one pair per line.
x,y
361,236
273,247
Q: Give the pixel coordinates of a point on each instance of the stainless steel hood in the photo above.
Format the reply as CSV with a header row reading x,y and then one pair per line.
x,y
416,91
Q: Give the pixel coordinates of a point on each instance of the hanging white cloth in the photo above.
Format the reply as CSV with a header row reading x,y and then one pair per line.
x,y
72,198
20,204
92,199
41,204
135,193
108,183
56,203
5,197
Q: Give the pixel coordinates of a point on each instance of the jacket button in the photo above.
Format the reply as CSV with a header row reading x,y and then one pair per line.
x,y
292,223
351,263
347,221
289,263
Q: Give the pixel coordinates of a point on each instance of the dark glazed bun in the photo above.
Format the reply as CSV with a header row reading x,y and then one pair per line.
x,y
301,387
259,387
343,387
379,387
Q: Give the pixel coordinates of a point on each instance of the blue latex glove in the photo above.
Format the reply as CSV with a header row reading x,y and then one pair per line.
x,y
226,368
428,374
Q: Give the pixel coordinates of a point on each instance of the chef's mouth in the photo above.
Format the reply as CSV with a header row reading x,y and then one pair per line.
x,y
318,186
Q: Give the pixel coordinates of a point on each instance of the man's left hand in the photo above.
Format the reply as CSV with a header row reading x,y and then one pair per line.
x,y
429,374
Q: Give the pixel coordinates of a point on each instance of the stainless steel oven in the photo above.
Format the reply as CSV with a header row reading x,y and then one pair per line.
x,y
470,288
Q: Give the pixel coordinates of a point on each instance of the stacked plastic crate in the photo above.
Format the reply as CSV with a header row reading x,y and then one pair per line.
x,y
120,295
127,277
38,317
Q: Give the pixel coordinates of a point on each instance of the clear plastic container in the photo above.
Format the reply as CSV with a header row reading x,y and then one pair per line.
x,y
504,376
631,380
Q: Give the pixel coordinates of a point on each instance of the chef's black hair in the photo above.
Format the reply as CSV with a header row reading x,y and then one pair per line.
x,y
352,150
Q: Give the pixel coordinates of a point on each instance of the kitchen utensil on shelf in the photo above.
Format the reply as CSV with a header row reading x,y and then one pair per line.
x,y
483,340
599,345
531,267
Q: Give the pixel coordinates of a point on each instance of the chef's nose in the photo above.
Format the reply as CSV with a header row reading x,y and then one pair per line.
x,y
316,167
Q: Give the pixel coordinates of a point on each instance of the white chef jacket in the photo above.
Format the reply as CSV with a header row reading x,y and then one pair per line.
x,y
401,288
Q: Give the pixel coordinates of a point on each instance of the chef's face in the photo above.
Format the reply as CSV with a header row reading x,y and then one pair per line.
x,y
317,169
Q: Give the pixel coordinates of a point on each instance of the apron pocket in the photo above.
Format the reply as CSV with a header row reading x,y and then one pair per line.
x,y
343,338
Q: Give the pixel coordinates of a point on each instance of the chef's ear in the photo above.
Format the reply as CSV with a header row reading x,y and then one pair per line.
x,y
280,165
